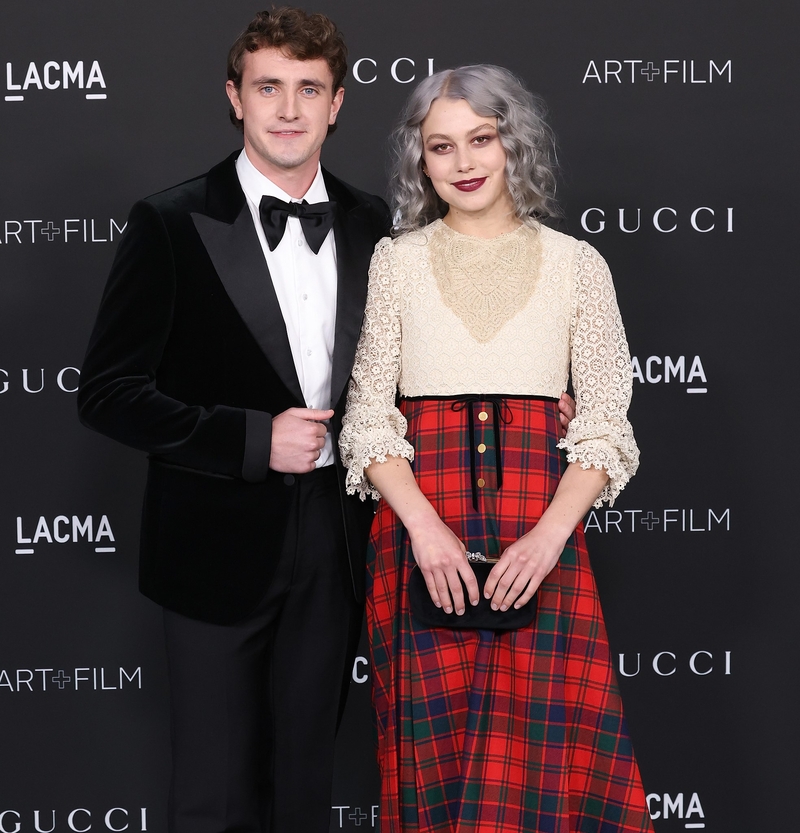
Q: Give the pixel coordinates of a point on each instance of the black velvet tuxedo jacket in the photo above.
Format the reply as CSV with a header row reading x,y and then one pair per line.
x,y
188,361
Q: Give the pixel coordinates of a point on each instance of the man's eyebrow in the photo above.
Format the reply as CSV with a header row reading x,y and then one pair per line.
x,y
312,82
279,82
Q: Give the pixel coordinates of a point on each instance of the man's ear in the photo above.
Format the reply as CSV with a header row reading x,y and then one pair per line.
x,y
336,104
233,97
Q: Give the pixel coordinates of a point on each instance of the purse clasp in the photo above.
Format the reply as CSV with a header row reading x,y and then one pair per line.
x,y
479,557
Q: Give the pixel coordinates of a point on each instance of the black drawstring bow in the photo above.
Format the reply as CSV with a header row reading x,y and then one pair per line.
x,y
501,413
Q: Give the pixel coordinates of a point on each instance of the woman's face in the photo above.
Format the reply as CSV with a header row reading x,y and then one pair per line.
x,y
465,161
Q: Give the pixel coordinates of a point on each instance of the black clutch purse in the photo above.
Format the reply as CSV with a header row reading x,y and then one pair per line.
x,y
477,617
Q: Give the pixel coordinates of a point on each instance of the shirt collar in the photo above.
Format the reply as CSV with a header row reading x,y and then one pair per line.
x,y
255,185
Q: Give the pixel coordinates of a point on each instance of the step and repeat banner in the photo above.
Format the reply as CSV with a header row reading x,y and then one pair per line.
x,y
677,126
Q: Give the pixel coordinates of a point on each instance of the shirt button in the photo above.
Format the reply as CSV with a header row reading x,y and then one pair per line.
x,y
305,297
483,416
308,352
299,241
481,448
481,482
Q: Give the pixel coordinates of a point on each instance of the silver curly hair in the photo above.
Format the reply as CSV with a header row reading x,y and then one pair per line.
x,y
528,141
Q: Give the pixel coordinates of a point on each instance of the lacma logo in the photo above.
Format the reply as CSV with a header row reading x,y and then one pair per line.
x,y
657,369
681,806
65,530
55,75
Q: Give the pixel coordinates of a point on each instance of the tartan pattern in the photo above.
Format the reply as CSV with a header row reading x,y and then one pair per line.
x,y
481,731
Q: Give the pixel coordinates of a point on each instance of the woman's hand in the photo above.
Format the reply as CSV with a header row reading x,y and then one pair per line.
x,y
437,550
524,565
440,556
522,568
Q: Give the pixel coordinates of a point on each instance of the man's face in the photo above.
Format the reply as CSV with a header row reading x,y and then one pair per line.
x,y
286,106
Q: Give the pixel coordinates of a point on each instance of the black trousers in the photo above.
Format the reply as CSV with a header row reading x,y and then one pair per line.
x,y
255,706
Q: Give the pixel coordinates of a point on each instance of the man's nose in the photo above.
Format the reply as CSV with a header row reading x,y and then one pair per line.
x,y
287,108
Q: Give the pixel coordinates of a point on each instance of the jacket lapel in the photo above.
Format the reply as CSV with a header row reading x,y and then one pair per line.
x,y
354,246
227,232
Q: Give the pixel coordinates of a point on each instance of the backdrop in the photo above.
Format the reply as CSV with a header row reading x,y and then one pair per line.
x,y
678,144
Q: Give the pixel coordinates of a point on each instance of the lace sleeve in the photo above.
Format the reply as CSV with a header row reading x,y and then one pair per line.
x,y
373,428
600,435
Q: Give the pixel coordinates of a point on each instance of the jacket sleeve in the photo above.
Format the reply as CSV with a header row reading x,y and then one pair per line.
x,y
118,395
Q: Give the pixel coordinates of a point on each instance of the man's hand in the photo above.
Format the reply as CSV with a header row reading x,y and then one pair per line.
x,y
566,408
298,437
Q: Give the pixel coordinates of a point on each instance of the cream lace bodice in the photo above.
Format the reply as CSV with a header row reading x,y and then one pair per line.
x,y
451,314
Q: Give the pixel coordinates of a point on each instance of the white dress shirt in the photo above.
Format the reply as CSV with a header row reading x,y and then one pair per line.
x,y
305,284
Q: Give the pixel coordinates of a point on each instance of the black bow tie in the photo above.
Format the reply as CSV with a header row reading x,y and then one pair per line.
x,y
316,220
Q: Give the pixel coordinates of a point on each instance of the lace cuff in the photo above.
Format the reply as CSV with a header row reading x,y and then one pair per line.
x,y
374,446
605,446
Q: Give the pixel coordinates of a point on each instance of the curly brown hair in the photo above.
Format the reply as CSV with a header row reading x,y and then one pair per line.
x,y
299,34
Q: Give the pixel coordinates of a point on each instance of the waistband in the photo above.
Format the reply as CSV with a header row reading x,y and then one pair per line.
x,y
479,397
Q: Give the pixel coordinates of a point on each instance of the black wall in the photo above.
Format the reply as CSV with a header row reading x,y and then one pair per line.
x,y
678,142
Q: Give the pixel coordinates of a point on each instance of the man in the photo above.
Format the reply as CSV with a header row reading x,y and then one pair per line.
x,y
223,347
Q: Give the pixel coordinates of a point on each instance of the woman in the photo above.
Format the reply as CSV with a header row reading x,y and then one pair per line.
x,y
476,313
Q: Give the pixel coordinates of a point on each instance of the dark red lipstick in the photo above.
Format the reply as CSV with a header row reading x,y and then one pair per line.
x,y
469,184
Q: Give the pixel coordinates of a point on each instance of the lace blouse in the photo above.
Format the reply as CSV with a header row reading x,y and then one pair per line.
x,y
451,314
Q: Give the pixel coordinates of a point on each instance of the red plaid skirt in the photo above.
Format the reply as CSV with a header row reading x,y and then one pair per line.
x,y
483,731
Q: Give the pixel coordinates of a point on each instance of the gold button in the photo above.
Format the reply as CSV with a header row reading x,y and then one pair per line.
x,y
481,448
483,416
481,482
